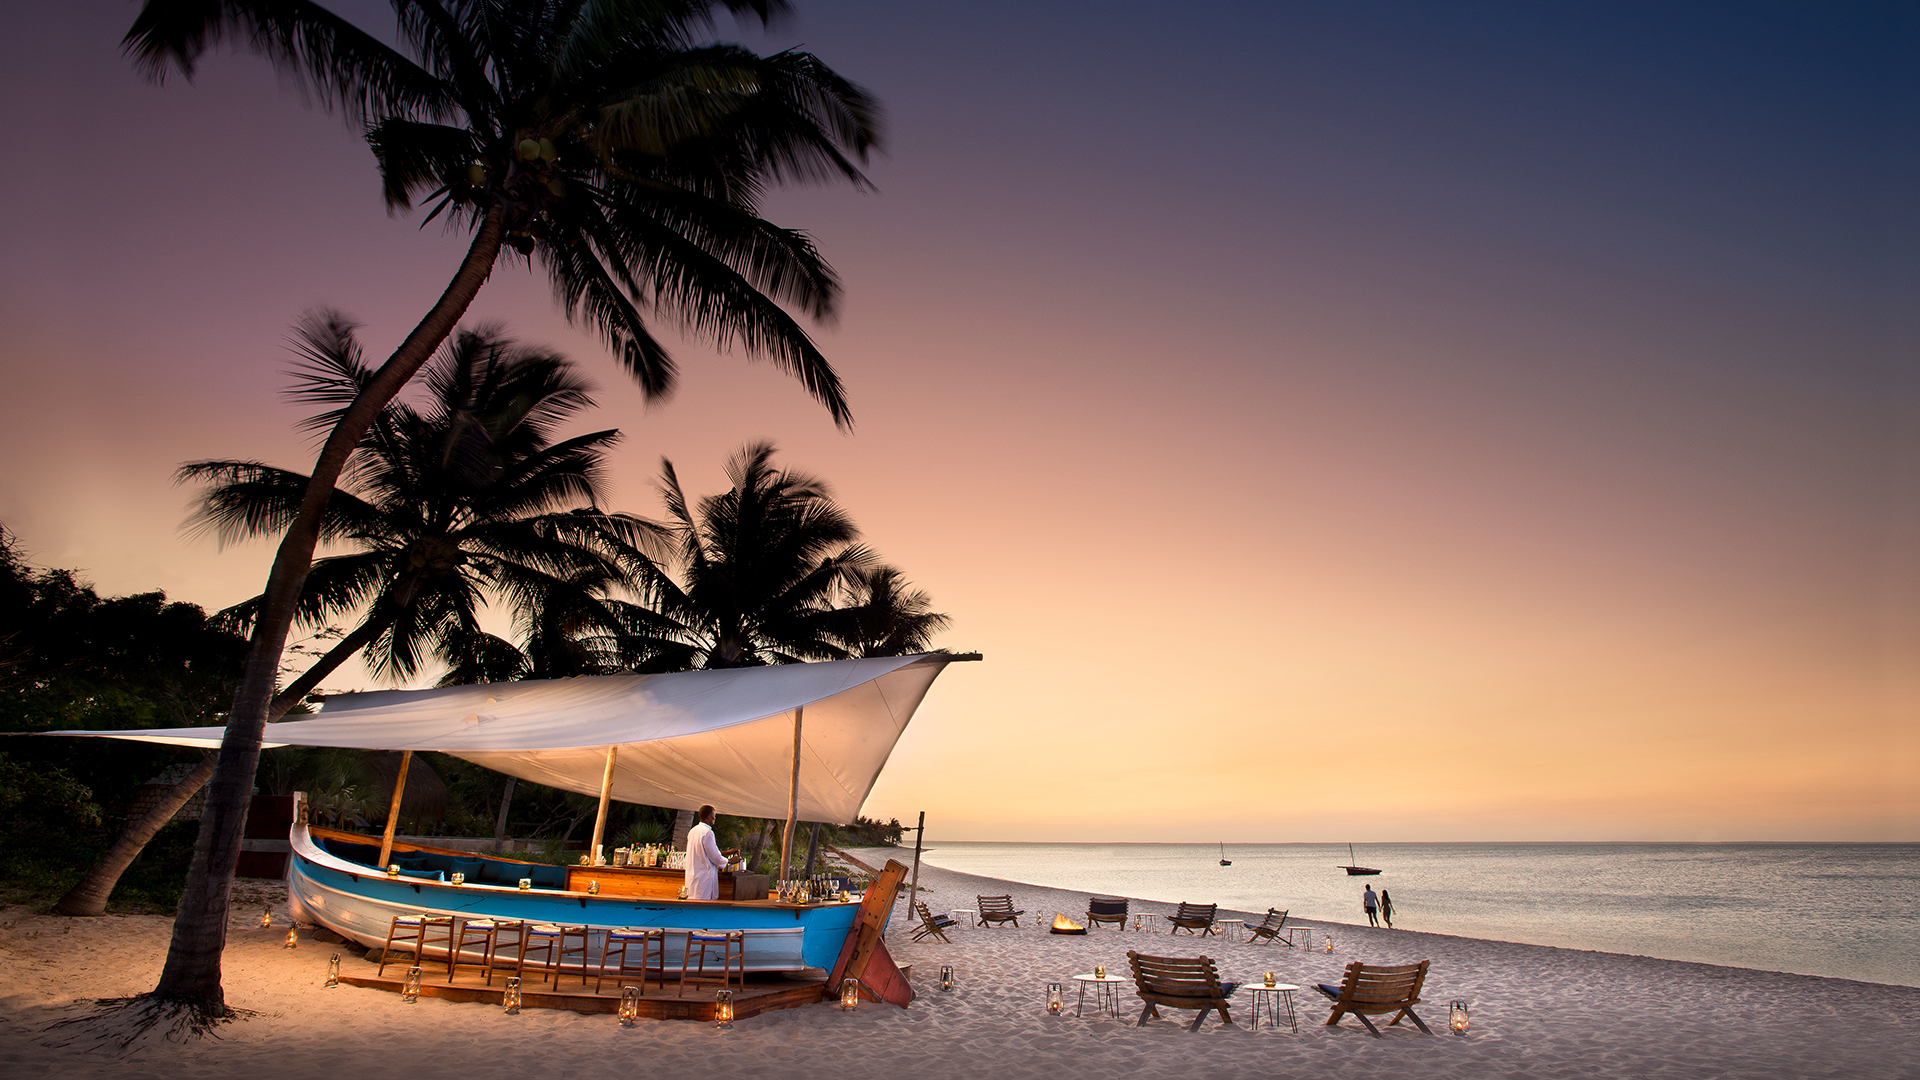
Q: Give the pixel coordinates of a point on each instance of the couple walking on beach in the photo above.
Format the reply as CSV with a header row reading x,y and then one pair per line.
x,y
1378,907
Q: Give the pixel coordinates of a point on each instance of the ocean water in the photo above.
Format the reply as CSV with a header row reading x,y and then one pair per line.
x,y
1845,910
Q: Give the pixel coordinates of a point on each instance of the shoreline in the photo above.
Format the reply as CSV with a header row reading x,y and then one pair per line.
x,y
1538,1011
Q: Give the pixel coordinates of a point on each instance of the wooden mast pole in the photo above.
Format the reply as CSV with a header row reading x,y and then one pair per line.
x,y
793,796
393,812
919,834
600,819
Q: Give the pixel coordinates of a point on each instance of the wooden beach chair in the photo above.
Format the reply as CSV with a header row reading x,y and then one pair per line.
x,y
1191,917
998,909
932,925
1273,928
1179,983
1374,990
1103,909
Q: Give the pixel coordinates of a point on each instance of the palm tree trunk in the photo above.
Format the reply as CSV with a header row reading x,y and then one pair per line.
x,y
500,823
89,897
192,971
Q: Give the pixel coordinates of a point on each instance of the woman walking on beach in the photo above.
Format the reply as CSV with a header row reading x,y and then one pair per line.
x,y
1372,903
1386,908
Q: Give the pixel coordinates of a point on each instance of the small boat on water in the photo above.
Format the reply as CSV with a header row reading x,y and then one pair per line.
x,y
1357,871
1224,861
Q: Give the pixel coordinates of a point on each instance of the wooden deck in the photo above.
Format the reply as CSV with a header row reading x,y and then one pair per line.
x,y
760,995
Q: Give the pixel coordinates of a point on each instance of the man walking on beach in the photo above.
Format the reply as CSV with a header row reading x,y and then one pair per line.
x,y
1372,903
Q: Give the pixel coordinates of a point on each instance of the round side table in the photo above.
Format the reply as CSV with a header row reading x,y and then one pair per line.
x,y
1106,994
1263,994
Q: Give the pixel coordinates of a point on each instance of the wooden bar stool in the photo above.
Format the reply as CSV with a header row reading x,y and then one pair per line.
x,y
413,933
732,946
650,942
471,932
554,943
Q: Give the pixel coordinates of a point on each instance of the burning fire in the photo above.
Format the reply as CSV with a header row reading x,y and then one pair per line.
x,y
1064,925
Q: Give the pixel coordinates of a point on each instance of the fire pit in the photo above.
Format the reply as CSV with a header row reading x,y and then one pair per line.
x,y
1064,925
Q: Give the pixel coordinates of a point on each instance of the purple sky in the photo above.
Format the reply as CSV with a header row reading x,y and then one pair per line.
x,y
1502,419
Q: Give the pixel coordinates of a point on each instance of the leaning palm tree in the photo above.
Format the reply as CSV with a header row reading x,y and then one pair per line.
x,y
758,565
599,139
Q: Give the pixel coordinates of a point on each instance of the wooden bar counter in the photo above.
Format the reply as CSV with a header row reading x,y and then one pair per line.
x,y
660,884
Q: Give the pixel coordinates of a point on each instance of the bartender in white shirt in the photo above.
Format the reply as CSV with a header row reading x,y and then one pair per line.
x,y
704,859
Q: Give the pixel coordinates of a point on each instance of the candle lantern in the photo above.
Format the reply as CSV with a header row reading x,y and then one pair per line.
x,y
293,939
266,918
1457,1017
1329,942
723,1009
510,997
459,878
411,988
593,888
393,869
946,977
1056,999
849,994
1136,922
1099,971
333,970
1269,977
526,883
629,1005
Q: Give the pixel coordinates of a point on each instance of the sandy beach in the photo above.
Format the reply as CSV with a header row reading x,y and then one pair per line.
x,y
1536,1012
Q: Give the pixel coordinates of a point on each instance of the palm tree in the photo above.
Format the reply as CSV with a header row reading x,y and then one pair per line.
x,y
599,138
759,565
882,616
465,500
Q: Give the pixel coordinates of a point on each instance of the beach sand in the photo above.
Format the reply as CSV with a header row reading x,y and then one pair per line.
x,y
1537,1012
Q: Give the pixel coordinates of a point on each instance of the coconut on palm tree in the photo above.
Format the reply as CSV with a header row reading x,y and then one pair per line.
x,y
602,140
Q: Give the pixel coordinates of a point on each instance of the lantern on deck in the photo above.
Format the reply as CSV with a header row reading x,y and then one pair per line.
x,y
393,869
593,888
510,997
723,1009
629,1005
266,918
293,939
1457,1017
946,977
1056,999
458,878
333,970
526,883
411,988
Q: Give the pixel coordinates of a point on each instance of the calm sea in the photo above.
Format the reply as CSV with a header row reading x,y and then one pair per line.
x,y
1845,910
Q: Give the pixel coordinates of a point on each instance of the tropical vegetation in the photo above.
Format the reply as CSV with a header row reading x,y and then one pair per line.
x,y
605,141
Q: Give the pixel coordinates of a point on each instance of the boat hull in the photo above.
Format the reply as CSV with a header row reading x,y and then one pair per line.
x,y
359,903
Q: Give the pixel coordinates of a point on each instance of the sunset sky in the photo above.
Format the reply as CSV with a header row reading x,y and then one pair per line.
x,y
1331,421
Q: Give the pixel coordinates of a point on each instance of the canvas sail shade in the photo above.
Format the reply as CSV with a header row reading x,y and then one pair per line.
x,y
688,738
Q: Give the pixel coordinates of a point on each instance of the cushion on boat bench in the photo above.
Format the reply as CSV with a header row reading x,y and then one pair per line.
x,y
429,875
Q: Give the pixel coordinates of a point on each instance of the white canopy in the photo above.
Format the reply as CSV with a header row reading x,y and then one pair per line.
x,y
723,737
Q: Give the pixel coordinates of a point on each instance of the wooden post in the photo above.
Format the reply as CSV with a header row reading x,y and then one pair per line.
x,y
393,812
600,819
793,799
919,834
813,850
